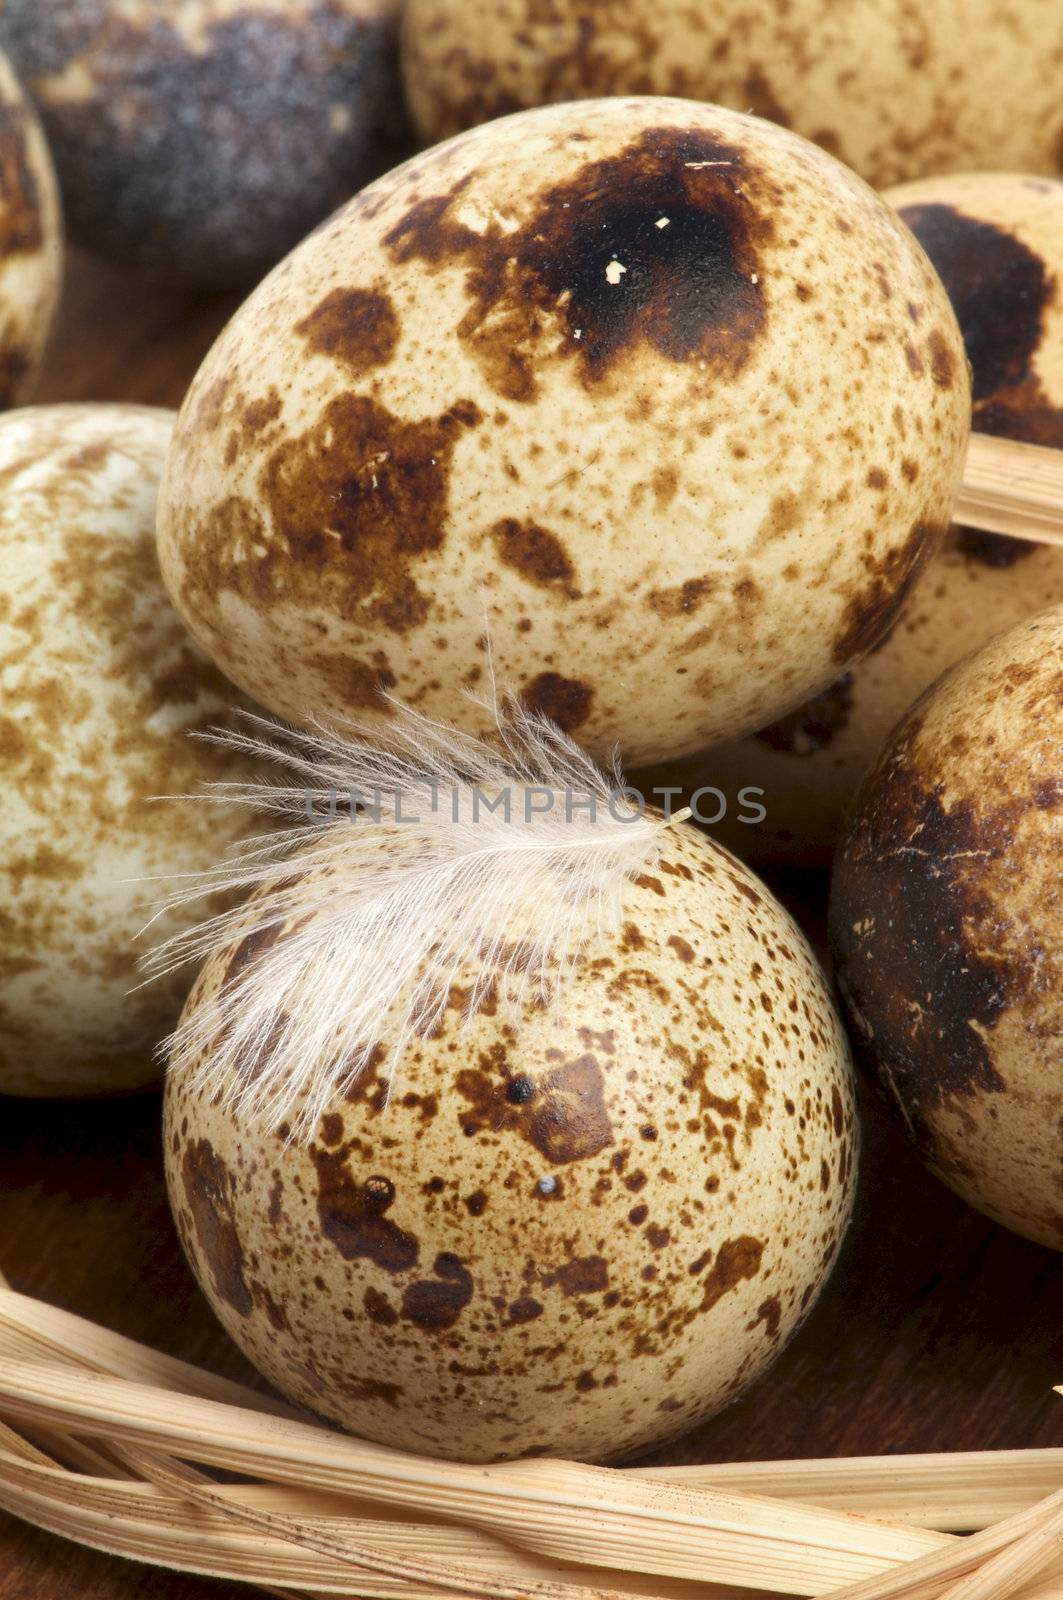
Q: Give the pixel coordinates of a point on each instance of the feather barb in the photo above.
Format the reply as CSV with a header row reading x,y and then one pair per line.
x,y
419,863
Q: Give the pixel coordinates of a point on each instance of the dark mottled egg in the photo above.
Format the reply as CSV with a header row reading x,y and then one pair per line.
x,y
997,241
31,241
100,686
896,88
571,1236
946,926
205,137
658,398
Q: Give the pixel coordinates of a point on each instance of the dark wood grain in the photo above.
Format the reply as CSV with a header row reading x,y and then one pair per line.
x,y
938,1331
122,336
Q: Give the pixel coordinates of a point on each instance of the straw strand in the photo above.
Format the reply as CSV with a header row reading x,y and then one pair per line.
x,y
328,1513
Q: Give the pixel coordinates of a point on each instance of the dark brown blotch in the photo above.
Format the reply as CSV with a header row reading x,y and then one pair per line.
x,y
378,1308
1000,290
737,1260
563,1116
208,1192
997,550
249,949
685,600
877,600
582,1275
813,726
769,1312
565,701
526,1309
354,501
537,554
258,414
435,1304
913,932
357,328
210,159
372,1389
657,247
353,1214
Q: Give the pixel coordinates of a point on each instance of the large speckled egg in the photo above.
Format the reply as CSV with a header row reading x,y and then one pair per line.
x,y
31,241
205,137
571,1236
658,398
997,241
99,687
947,926
896,88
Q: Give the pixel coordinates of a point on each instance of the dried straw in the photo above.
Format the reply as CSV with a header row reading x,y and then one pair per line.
x,y
118,1440
1012,488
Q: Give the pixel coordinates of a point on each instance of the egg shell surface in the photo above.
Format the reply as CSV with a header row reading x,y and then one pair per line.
x,y
658,398
570,1235
31,241
946,926
99,689
898,89
996,239
205,137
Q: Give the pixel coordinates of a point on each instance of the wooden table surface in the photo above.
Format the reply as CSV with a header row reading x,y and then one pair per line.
x,y
938,1331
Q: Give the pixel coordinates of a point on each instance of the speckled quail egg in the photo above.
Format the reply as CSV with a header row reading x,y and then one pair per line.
x,y
205,137
947,929
997,241
31,241
895,88
99,686
573,1235
657,401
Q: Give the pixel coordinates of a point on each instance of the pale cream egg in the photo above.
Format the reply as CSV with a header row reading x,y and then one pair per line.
x,y
100,687
571,1233
657,402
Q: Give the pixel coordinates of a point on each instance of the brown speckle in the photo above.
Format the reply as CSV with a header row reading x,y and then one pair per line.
x,y
565,701
585,1275
534,552
435,1304
526,1309
736,1260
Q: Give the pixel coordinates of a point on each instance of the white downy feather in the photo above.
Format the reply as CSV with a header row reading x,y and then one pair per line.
x,y
384,918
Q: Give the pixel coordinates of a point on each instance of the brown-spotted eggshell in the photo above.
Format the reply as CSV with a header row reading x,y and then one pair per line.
x,y
31,241
205,137
996,240
896,88
99,688
658,397
947,926
570,1236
